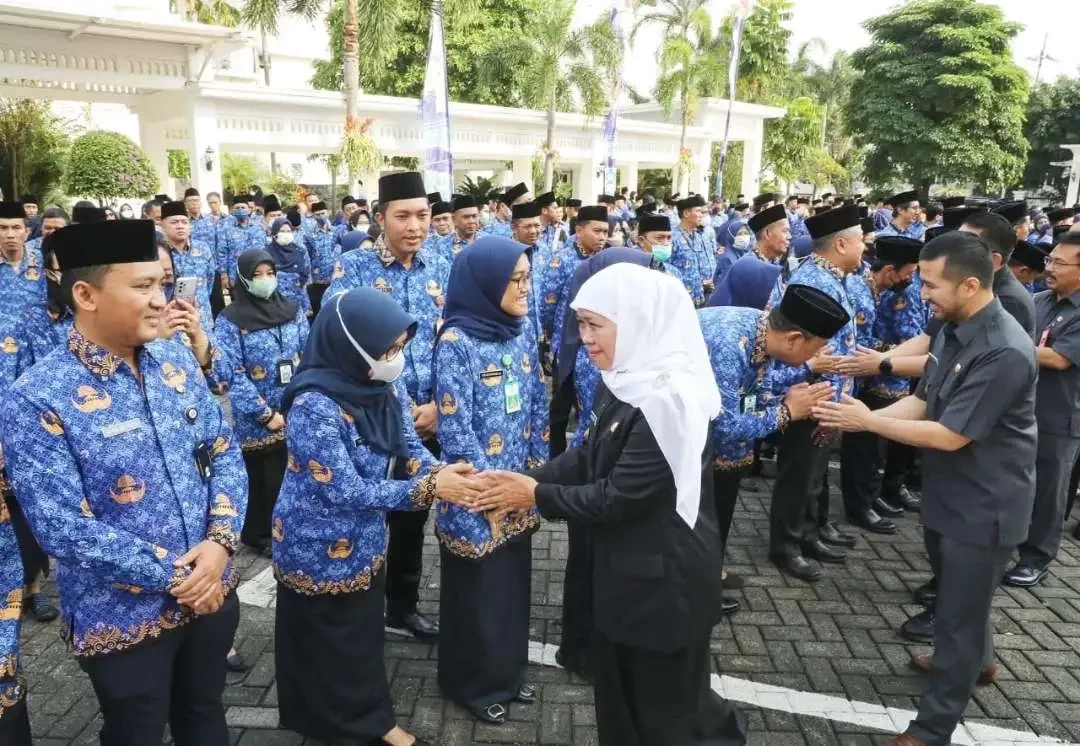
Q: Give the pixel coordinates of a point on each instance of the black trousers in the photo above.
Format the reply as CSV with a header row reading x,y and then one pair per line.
x,y
575,647
315,292
175,679
405,556
15,725
35,562
861,456
725,496
1074,484
563,399
265,470
797,511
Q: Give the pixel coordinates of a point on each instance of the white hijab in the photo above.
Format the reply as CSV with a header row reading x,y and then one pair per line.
x,y
661,366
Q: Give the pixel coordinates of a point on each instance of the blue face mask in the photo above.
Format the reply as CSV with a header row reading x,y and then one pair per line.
x,y
241,213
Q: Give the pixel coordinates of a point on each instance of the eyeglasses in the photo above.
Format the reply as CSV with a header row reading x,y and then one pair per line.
x,y
1054,261
522,281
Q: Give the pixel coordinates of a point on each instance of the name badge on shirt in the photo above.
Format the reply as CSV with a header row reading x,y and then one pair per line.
x,y
749,403
284,372
119,428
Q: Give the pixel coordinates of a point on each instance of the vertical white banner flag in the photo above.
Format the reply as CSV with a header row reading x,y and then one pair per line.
x,y
742,11
435,112
621,16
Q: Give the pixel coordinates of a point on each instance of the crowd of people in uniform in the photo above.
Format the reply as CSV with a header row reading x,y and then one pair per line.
x,y
314,386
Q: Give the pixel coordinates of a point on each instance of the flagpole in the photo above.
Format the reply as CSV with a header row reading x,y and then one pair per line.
x,y
619,11
738,20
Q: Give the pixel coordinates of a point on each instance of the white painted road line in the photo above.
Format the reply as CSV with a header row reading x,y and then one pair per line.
x,y
261,591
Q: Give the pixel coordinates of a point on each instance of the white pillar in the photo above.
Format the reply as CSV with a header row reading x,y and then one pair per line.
x,y
204,148
152,141
522,172
580,179
630,176
1074,175
700,175
370,189
751,166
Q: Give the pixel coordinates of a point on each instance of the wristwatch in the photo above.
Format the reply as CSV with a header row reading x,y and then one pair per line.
x,y
885,366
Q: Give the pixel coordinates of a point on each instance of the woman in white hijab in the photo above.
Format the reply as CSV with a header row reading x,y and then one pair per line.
x,y
642,482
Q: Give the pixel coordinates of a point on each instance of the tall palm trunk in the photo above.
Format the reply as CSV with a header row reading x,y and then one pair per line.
x,y
264,60
352,73
549,146
824,122
677,185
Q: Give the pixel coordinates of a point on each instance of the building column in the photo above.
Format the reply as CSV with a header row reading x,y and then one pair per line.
x,y
522,172
1074,175
204,148
700,176
370,187
630,176
152,141
751,166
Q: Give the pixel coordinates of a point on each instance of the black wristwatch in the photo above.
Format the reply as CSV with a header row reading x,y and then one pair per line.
x,y
885,366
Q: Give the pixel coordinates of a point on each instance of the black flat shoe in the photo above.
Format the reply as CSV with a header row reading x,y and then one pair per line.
x,y
831,534
40,608
926,594
886,510
573,665
822,552
526,694
236,663
905,499
1025,576
413,625
799,567
728,606
869,519
920,628
733,582
494,714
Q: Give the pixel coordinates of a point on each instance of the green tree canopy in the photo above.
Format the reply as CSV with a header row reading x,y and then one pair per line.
x,y
469,37
33,148
239,172
763,66
1053,119
940,98
108,165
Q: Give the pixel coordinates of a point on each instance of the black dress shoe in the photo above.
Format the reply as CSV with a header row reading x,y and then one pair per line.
x,y
728,606
235,663
573,664
905,499
831,534
526,694
1023,575
733,582
822,552
413,625
1076,531
926,594
871,521
39,607
920,628
799,567
885,509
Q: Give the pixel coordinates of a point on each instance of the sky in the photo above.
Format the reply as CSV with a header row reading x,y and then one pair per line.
x,y
838,24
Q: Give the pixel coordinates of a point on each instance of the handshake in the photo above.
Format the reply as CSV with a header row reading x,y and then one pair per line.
x,y
481,492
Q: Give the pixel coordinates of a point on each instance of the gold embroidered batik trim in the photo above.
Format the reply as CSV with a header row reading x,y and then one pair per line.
x,y
222,533
253,444
104,639
303,583
723,464
423,493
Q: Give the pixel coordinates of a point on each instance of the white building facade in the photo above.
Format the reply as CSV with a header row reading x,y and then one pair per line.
x,y
171,84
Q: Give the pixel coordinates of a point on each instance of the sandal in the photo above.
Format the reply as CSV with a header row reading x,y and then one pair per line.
x,y
526,694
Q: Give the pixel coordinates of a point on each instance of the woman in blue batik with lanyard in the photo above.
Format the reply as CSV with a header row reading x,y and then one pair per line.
x,y
493,413
291,262
262,333
354,456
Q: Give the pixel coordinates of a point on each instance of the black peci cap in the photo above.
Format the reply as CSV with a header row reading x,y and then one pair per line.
x,y
592,212
105,242
441,208
513,193
813,311
1014,212
765,218
525,210
897,250
953,217
832,221
902,198
171,209
400,185
462,202
649,222
545,199
1029,256
12,211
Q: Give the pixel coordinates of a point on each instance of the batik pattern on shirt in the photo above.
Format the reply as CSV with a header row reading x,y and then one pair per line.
x,y
23,286
419,290
329,526
16,355
12,688
820,273
255,391
735,338
471,379
685,251
42,333
860,289
197,260
496,227
586,381
900,317
234,240
915,230
103,462
707,255
450,245
204,230
324,250
555,289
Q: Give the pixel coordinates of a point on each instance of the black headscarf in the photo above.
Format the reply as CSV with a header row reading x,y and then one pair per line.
x,y
57,301
250,312
332,365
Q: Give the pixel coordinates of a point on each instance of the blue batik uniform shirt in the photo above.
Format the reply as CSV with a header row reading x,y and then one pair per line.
x,y
475,426
104,466
686,251
555,286
22,286
234,239
418,289
197,259
914,230
496,227
329,528
900,316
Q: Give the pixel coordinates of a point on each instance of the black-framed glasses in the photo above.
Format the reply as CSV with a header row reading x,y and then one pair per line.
x,y
1055,261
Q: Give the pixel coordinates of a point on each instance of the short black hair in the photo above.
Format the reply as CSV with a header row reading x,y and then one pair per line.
x,y
966,255
995,231
779,322
94,275
876,265
932,210
54,212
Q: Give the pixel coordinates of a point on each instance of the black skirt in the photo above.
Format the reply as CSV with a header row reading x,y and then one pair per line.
x,y
331,675
265,470
484,625
648,698
34,560
577,612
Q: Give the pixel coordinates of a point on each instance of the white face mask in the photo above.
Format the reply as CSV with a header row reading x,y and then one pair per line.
x,y
284,239
741,242
381,370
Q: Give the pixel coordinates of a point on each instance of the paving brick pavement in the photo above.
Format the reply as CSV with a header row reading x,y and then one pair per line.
x,y
837,637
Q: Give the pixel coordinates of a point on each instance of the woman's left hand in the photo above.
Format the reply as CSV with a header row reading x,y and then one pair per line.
x,y
505,491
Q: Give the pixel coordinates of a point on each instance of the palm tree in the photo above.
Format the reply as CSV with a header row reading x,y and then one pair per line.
x,y
831,86
691,66
558,65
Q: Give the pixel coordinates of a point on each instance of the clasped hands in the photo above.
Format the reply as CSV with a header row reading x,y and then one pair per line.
x,y
202,590
499,491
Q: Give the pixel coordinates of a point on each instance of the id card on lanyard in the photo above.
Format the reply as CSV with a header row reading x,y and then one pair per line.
x,y
511,387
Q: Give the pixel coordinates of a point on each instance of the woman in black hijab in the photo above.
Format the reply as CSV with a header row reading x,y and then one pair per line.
x,y
262,333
